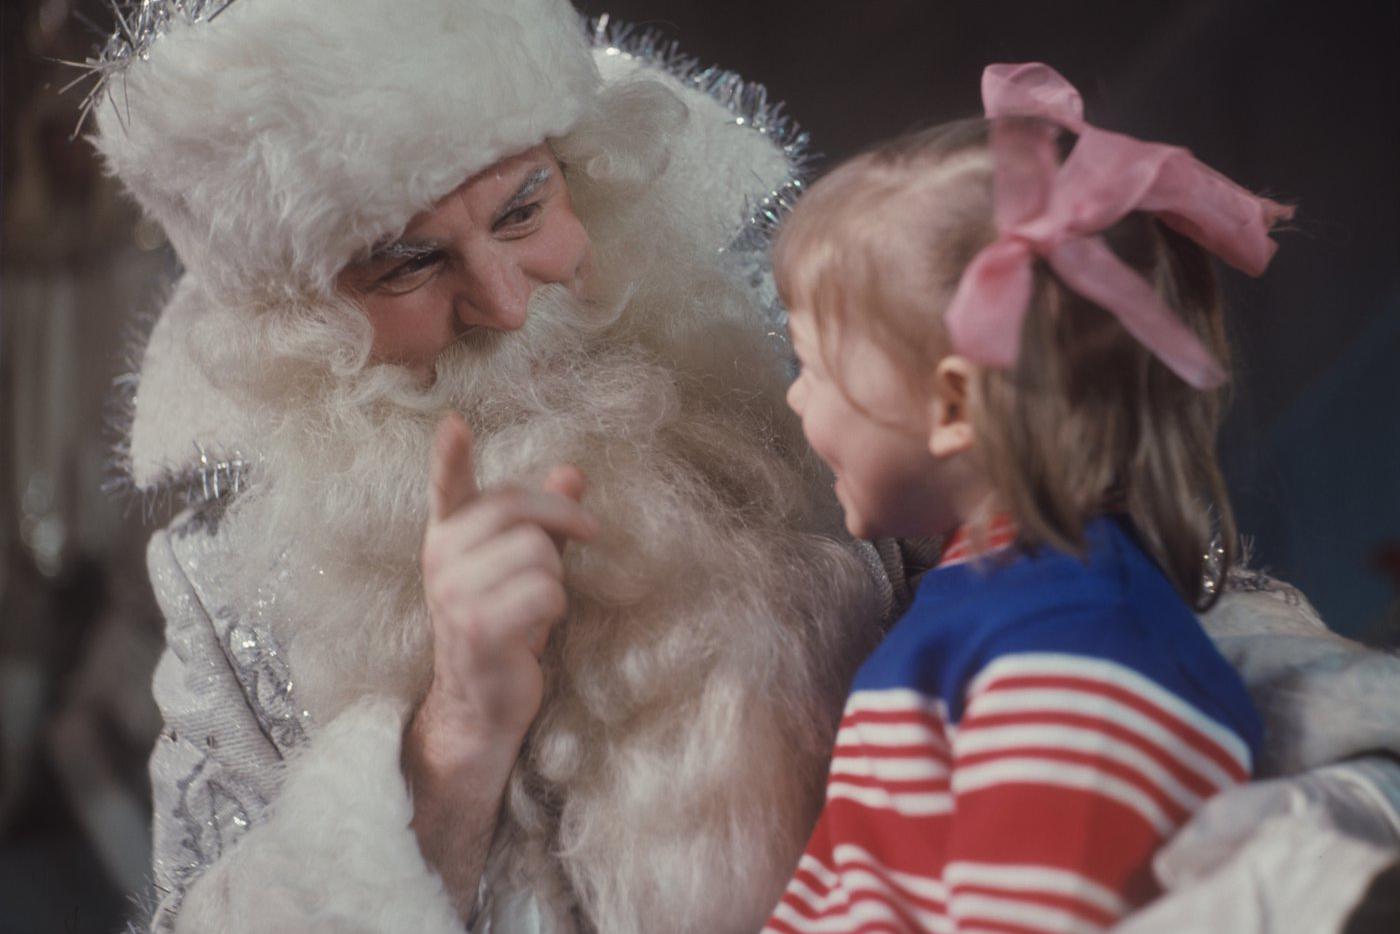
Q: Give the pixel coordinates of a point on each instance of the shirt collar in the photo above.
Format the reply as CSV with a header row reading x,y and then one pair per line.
x,y
972,540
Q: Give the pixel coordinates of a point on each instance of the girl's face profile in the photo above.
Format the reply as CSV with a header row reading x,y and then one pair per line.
x,y
471,261
868,427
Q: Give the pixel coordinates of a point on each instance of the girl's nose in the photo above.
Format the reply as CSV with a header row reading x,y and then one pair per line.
x,y
795,396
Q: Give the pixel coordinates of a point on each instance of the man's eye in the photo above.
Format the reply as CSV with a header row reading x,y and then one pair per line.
x,y
518,217
410,274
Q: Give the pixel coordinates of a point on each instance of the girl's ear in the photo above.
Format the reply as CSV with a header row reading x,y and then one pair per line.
x,y
950,424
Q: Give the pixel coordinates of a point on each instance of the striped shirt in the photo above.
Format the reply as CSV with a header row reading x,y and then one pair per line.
x,y
1019,746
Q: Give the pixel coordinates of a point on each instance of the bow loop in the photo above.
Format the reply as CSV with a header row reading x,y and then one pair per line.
x,y
1058,212
1024,169
1033,89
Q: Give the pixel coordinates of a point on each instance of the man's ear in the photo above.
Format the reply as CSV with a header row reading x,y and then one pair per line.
x,y
950,422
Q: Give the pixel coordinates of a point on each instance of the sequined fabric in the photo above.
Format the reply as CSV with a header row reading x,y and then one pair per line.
x,y
229,705
244,629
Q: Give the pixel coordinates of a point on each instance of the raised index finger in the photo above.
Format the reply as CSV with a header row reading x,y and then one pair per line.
x,y
452,474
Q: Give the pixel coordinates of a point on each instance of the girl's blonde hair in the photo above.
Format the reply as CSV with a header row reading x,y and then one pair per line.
x,y
1088,420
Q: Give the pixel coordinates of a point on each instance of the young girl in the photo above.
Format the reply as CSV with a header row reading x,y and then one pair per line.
x,y
1007,345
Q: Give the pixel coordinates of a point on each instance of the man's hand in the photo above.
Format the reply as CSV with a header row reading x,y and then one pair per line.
x,y
494,583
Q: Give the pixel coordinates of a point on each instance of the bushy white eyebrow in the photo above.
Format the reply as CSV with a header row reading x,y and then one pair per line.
x,y
403,249
533,182
416,249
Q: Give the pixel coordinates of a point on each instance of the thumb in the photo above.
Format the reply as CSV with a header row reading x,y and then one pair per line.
x,y
452,473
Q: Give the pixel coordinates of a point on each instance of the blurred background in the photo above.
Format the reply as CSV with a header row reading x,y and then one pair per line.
x,y
1303,105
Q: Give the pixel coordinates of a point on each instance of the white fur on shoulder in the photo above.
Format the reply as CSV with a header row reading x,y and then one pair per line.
x,y
1323,697
1292,874
177,416
337,854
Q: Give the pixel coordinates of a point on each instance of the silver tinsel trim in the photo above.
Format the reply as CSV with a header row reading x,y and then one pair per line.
x,y
747,101
208,482
217,479
758,231
138,24
1213,567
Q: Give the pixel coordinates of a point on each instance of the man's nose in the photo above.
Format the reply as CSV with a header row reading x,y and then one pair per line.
x,y
495,293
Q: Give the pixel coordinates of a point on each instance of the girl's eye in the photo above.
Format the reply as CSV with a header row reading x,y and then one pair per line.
x,y
517,218
411,274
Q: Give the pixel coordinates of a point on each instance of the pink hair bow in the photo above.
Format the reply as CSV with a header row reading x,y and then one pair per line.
x,y
1056,212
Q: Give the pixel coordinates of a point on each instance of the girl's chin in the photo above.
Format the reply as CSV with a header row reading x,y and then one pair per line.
x,y
855,520
860,524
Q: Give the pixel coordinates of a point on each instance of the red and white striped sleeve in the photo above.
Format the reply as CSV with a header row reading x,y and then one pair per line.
x,y
1068,773
872,863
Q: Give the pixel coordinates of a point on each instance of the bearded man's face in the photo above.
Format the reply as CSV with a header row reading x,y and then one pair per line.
x,y
472,261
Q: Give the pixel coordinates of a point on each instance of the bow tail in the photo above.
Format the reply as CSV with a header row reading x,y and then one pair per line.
x,y
1090,268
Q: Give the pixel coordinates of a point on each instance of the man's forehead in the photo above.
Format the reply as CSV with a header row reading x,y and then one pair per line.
x,y
509,171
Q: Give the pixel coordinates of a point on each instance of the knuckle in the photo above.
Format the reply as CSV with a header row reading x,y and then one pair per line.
x,y
440,594
473,631
508,497
499,509
548,597
467,631
538,546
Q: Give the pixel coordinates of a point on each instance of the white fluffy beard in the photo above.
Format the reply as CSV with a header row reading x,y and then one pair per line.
x,y
676,767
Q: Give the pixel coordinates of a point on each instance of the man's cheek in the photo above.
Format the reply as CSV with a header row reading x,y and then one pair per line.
x,y
569,250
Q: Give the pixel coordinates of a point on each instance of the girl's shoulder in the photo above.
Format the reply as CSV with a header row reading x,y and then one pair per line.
x,y
1109,616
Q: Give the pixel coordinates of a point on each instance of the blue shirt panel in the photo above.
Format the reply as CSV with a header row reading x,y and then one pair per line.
x,y
1112,604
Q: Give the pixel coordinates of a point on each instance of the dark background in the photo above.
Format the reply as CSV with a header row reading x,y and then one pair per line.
x,y
1301,105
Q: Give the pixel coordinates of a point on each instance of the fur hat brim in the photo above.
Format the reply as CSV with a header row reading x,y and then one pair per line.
x,y
279,140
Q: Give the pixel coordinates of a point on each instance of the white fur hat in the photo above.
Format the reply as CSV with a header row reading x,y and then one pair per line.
x,y
277,139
